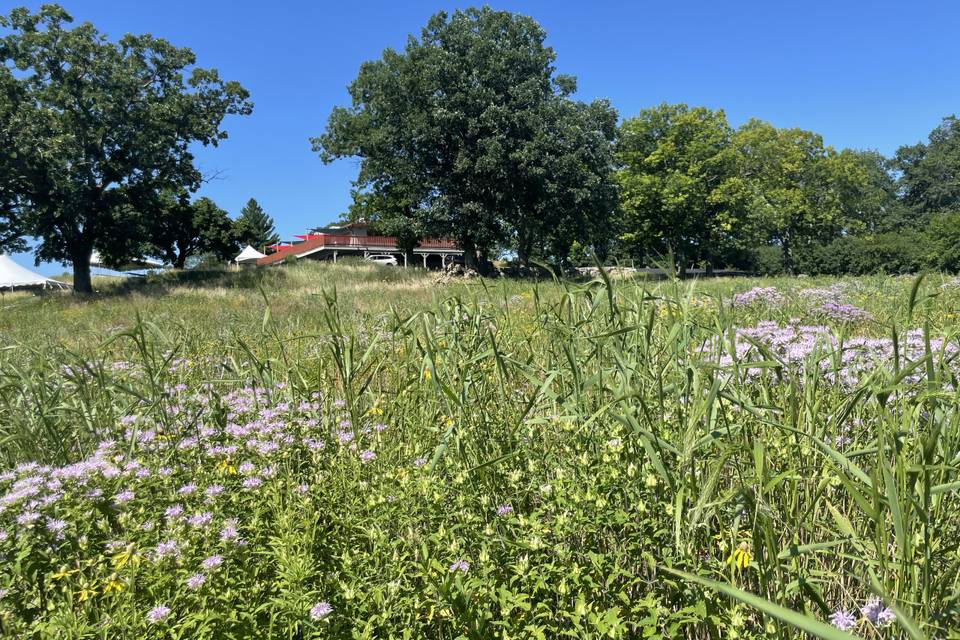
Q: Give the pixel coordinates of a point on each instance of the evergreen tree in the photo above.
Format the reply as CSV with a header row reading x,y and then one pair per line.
x,y
255,227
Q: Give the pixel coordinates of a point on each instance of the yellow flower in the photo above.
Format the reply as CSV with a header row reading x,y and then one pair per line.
x,y
741,556
113,585
122,558
226,467
63,573
85,594
426,374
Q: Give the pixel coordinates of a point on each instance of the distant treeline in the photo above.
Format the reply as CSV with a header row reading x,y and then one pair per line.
x,y
470,132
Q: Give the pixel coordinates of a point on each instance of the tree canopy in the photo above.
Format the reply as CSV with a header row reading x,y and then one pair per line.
x,y
94,129
469,132
180,230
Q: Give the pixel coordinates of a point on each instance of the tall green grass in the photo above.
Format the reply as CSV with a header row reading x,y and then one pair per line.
x,y
654,493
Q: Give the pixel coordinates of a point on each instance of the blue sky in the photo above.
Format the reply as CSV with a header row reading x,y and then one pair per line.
x,y
864,74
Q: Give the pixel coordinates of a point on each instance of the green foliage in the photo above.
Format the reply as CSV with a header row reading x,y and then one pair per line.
x,y
655,491
931,172
943,242
93,129
179,230
469,133
674,163
255,227
791,189
902,252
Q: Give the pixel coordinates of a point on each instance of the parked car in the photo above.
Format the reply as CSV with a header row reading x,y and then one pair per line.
x,y
382,259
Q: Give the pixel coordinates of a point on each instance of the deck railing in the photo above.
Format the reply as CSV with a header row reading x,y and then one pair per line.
x,y
376,243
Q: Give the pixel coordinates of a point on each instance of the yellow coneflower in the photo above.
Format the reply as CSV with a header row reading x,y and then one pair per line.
x,y
741,557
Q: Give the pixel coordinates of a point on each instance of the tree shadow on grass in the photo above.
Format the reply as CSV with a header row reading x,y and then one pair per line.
x,y
161,284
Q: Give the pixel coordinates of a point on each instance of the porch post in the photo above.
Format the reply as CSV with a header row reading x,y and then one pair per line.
x,y
424,261
334,257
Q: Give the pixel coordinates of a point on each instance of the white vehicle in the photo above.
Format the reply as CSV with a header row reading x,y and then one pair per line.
x,y
382,259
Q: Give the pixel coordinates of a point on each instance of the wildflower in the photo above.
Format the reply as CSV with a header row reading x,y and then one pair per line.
x,y
229,532
320,611
886,617
368,455
158,614
246,468
871,609
419,462
252,482
460,565
504,509
303,488
345,437
166,549
196,581
56,526
200,519
187,489
213,491
741,556
843,620
759,295
27,518
123,497
173,511
212,562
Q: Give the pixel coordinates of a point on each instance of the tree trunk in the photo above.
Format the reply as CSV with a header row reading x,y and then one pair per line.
x,y
469,254
523,251
82,284
787,253
181,260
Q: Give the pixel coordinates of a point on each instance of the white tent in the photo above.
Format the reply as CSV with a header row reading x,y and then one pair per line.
x,y
248,256
133,265
12,275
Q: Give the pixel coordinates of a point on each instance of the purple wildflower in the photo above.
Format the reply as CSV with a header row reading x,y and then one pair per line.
x,y
320,611
229,532
758,295
504,509
56,526
843,620
123,497
27,518
252,482
167,549
460,565
368,456
886,617
196,581
173,511
200,519
212,562
213,491
419,462
158,614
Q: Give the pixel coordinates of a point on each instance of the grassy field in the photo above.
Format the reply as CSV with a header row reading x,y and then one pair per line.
x,y
356,452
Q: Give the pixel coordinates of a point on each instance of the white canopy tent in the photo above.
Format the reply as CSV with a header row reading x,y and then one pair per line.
x,y
248,256
133,265
13,276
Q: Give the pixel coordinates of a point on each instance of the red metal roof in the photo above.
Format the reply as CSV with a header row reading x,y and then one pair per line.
x,y
324,240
